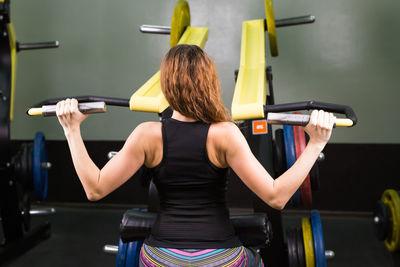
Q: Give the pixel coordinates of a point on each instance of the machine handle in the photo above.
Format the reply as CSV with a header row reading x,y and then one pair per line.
x,y
301,120
92,104
112,101
308,105
86,108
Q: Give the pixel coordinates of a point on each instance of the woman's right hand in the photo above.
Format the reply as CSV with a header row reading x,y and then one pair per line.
x,y
69,115
320,127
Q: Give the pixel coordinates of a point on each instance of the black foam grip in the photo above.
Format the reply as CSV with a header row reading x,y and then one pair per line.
x,y
253,230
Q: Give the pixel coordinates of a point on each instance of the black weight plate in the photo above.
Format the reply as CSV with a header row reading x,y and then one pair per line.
x,y
314,172
30,163
314,177
381,220
26,208
279,158
301,258
291,247
26,176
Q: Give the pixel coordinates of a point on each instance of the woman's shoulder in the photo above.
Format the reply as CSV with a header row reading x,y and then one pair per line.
x,y
148,130
149,125
223,132
225,127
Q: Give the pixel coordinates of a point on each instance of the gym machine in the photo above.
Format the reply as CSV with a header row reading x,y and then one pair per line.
x,y
302,246
25,172
257,111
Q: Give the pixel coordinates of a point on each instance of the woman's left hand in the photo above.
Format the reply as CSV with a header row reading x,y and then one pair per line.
x,y
69,115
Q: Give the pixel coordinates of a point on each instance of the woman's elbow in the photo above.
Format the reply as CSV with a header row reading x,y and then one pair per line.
x,y
277,203
93,196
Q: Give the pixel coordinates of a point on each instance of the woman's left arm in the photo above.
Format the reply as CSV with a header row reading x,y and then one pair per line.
x,y
99,183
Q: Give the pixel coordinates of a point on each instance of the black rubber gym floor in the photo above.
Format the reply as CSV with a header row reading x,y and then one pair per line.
x,y
79,234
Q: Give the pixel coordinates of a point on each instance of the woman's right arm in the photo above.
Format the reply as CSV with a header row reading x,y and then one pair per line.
x,y
276,193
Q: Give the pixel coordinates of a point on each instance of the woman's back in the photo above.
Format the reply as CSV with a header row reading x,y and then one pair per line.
x,y
192,189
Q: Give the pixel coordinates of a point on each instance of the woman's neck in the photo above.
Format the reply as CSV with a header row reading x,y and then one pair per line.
x,y
178,116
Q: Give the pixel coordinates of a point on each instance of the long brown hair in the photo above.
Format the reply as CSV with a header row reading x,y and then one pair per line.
x,y
190,84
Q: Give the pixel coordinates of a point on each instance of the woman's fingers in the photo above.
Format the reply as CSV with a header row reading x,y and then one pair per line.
x,y
332,120
326,120
321,119
314,118
74,106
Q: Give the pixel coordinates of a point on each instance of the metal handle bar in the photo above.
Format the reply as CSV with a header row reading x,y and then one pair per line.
x,y
41,45
112,101
308,105
94,104
86,108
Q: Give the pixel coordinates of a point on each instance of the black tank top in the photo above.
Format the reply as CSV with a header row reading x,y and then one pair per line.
x,y
193,212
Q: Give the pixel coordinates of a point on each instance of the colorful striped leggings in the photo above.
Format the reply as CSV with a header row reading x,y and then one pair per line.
x,y
240,256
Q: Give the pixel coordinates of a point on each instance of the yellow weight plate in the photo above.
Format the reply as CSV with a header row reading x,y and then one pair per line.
x,y
13,47
273,42
180,20
308,242
391,198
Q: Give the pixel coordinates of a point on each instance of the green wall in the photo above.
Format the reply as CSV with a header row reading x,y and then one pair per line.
x,y
350,55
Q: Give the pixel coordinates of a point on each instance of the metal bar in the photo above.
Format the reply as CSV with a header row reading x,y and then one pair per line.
x,y
86,108
110,249
288,119
294,21
300,119
155,29
329,254
307,105
42,45
43,211
112,101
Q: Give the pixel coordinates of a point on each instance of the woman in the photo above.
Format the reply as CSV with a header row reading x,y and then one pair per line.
x,y
189,155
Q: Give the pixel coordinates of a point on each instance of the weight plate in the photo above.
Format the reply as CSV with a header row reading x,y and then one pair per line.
x,y
314,173
39,173
279,153
391,198
318,238
131,254
300,144
121,254
180,20
26,170
138,248
30,164
26,208
291,247
314,177
381,221
290,153
300,248
269,13
308,242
